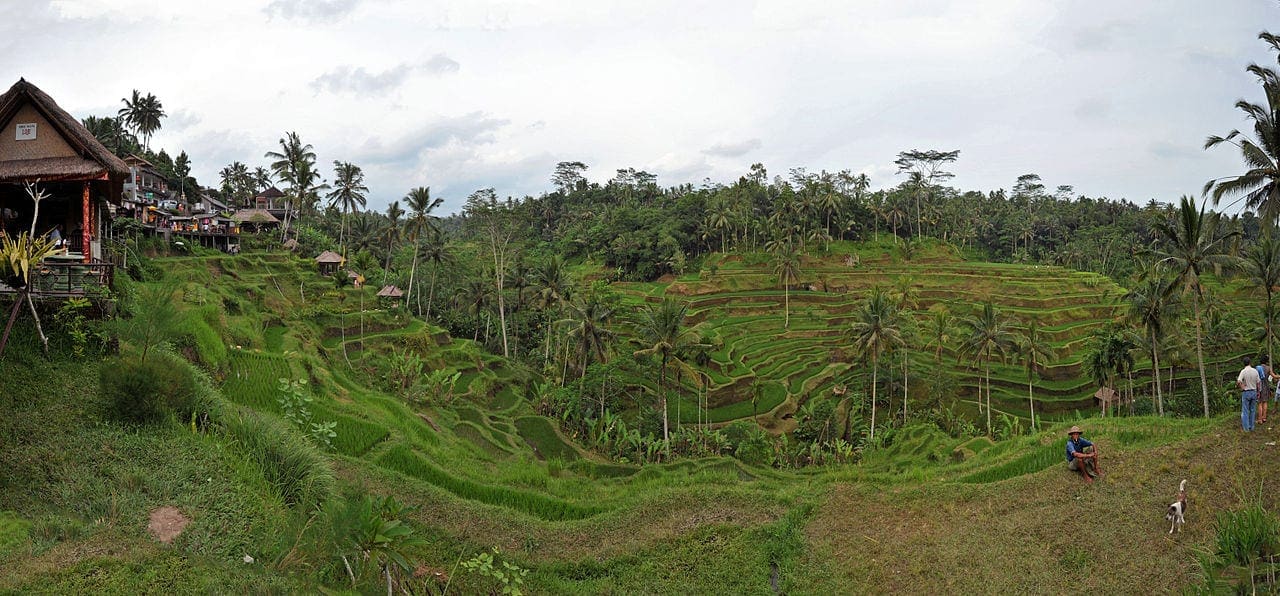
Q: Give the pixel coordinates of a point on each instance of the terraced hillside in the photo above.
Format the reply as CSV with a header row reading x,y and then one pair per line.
x,y
738,303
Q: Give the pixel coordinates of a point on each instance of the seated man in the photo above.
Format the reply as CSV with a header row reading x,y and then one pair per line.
x,y
1082,456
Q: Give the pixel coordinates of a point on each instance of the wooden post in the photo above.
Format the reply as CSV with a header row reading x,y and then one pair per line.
x,y
85,222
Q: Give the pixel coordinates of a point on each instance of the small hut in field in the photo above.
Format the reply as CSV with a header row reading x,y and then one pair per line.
x,y
1108,397
357,280
391,293
256,219
329,261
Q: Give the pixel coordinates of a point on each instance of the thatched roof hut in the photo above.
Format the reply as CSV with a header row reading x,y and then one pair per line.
x,y
390,292
257,216
48,143
40,141
328,262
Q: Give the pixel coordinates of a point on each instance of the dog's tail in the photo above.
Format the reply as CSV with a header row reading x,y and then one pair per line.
x,y
1182,488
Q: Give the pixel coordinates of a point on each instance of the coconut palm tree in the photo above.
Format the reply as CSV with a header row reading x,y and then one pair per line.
x,y
786,265
293,165
588,322
876,329
1262,266
941,330
347,194
142,113
1192,246
1259,186
420,222
989,335
551,290
661,330
436,252
1152,303
391,233
1035,351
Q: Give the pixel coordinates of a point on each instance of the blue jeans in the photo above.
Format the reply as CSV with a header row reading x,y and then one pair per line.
x,y
1248,409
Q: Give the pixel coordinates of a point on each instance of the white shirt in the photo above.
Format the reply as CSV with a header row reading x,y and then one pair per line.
x,y
1248,379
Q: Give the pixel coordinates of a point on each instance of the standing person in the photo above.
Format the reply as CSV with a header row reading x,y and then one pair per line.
x,y
1265,374
1248,381
1082,456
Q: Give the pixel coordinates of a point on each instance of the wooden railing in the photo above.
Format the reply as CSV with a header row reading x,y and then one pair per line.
x,y
64,278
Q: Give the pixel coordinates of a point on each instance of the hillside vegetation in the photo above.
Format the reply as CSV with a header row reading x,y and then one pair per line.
x,y
484,468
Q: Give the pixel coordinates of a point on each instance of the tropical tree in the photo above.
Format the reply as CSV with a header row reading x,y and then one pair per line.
x,y
1152,304
434,251
786,265
551,289
989,334
941,331
661,330
1035,351
347,194
588,321
294,165
391,233
1259,186
1262,266
420,223
493,221
1192,246
142,113
876,329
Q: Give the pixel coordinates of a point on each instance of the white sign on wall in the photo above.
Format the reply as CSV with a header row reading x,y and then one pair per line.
x,y
26,132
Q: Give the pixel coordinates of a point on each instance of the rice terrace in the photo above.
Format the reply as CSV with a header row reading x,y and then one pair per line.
x,y
601,298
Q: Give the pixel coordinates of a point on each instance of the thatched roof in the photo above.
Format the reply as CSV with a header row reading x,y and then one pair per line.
x,y
254,216
92,160
270,193
1106,395
390,292
329,256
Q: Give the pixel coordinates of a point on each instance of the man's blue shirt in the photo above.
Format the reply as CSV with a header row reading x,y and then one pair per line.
x,y
1076,446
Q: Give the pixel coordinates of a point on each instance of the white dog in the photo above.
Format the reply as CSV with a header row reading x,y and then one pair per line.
x,y
1178,509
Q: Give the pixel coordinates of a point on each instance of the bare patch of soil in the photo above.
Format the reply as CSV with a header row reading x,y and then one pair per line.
x,y
166,523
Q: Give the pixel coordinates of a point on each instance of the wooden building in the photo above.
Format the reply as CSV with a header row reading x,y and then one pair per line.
x,y
41,143
328,262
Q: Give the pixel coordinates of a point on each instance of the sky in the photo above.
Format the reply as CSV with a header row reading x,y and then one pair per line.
x,y
1113,98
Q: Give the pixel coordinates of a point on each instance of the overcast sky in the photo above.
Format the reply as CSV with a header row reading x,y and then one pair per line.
x,y
1113,97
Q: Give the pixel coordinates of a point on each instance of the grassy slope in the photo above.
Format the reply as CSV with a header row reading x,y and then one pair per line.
x,y
904,520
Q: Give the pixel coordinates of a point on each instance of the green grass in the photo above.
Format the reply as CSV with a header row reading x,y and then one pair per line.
x,y
405,461
544,440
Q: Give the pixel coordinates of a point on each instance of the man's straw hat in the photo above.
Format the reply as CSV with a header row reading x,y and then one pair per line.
x,y
1074,431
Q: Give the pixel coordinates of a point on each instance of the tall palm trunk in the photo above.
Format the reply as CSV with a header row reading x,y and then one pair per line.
x,y
1155,371
431,293
904,388
988,379
874,370
662,396
413,271
1031,396
1204,383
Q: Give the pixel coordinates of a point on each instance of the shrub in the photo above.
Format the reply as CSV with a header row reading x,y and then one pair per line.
x,y
298,472
146,391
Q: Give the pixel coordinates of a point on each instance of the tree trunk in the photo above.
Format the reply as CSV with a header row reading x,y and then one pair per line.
x,y
1031,397
431,293
988,379
1155,371
786,308
874,370
413,271
662,396
904,388
1204,383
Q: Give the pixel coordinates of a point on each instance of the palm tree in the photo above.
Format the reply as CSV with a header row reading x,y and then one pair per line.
x,y
1151,304
1260,184
391,233
786,266
552,288
1035,351
142,113
661,329
876,330
293,165
347,194
588,322
420,221
1262,264
941,329
989,334
1194,246
436,252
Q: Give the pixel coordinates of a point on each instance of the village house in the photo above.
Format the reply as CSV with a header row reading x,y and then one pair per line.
x,y
41,144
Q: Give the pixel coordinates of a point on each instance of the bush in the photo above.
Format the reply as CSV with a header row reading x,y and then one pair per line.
x,y
297,471
147,391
